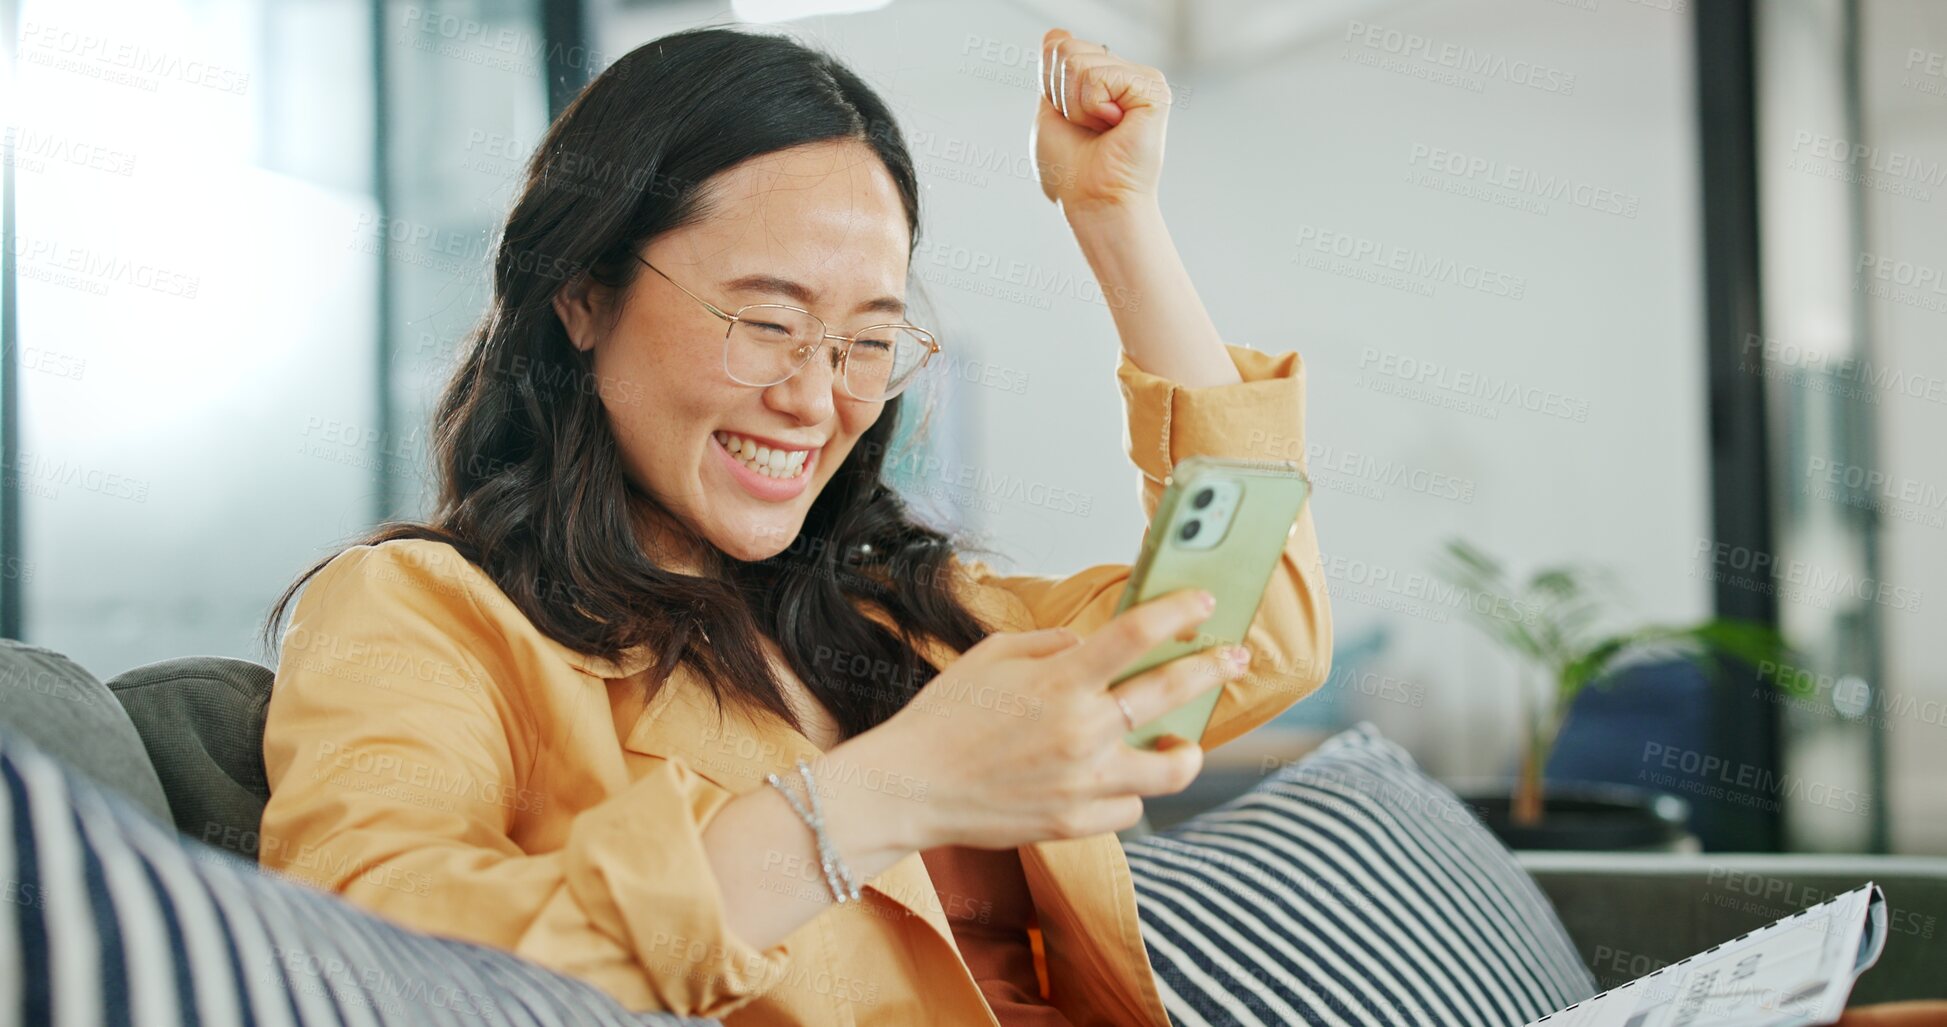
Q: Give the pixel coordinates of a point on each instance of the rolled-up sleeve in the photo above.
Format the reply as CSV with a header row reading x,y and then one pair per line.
x,y
1259,418
398,746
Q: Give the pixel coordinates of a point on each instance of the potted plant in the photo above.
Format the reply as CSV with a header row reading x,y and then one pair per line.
x,y
1550,623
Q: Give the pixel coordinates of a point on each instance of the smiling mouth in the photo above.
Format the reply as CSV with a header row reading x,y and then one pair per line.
x,y
782,464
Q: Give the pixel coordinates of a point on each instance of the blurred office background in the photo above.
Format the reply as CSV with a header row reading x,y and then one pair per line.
x,y
1634,283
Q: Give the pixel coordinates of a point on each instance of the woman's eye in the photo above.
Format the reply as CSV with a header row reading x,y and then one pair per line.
x,y
769,328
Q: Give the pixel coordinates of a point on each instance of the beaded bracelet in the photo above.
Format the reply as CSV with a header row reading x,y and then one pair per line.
x,y
838,877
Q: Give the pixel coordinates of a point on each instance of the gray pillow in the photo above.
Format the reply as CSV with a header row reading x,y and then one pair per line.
x,y
202,719
68,713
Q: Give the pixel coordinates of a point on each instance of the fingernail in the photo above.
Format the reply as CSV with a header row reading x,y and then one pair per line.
x,y
1239,656
1209,601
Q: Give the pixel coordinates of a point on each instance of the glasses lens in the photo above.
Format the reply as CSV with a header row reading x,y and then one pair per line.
x,y
883,361
768,344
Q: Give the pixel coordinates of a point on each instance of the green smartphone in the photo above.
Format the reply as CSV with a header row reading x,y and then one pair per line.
x,y
1221,526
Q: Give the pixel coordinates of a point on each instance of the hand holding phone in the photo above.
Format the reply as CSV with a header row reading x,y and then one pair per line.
x,y
1221,526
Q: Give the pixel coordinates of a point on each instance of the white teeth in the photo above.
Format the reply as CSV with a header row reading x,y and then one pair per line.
x,y
773,463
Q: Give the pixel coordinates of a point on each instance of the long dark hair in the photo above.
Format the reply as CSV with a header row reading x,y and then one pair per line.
x,y
530,483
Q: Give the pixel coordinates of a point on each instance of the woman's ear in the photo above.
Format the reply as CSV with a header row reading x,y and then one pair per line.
x,y
579,306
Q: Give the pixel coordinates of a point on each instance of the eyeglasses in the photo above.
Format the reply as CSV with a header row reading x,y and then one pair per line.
x,y
767,343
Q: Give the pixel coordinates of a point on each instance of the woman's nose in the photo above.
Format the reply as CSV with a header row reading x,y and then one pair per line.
x,y
810,394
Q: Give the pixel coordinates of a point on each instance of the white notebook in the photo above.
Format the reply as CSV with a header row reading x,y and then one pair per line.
x,y
1795,971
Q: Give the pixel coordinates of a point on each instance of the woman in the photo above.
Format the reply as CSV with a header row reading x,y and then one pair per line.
x,y
664,567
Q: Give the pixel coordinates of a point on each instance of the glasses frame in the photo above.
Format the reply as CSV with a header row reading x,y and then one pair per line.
x,y
732,318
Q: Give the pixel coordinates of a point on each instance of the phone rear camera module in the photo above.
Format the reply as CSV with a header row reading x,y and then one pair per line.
x,y
1202,514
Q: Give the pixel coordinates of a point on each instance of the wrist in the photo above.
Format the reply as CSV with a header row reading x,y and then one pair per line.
x,y
874,810
1111,219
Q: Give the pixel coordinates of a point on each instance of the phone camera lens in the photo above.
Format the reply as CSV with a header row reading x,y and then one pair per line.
x,y
1203,498
1189,530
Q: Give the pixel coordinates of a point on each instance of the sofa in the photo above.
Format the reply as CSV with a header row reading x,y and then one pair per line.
x,y
180,740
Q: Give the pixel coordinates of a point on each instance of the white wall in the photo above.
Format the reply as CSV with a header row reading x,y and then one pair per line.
x,y
1309,137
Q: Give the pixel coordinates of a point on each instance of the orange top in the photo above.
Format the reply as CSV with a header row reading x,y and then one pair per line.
x,y
990,909
435,758
988,905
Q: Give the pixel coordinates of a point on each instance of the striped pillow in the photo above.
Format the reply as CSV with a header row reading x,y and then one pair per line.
x,y
1348,888
112,917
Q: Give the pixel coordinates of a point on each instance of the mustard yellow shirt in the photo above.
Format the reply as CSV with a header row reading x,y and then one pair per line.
x,y
436,759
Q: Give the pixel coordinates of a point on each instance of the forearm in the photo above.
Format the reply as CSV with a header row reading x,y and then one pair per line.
x,y
1157,312
765,859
